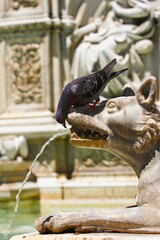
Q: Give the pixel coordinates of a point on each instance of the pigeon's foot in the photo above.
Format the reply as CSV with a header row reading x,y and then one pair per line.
x,y
93,106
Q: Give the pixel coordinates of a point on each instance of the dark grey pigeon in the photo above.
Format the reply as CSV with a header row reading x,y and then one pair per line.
x,y
85,90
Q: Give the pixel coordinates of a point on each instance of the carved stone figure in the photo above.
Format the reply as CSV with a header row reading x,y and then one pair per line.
x,y
123,31
13,147
128,126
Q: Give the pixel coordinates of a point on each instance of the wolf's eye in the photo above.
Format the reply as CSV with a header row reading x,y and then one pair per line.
x,y
111,105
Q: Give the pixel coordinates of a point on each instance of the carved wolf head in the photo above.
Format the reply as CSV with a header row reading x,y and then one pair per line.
x,y
129,123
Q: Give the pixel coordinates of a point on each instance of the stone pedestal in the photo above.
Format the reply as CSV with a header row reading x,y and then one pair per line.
x,y
90,236
13,171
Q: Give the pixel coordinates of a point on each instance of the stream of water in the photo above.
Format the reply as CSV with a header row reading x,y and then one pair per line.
x,y
59,134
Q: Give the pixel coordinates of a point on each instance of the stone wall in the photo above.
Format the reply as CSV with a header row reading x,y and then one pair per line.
x,y
39,45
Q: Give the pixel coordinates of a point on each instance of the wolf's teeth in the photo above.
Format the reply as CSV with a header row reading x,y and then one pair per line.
x,y
90,133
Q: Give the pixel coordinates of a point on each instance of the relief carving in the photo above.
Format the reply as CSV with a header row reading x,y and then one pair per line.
x,y
17,4
119,29
13,147
96,160
26,73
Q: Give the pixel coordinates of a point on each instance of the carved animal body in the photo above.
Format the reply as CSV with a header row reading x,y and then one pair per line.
x,y
128,126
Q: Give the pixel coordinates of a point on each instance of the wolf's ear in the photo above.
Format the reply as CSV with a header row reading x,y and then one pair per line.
x,y
128,90
147,93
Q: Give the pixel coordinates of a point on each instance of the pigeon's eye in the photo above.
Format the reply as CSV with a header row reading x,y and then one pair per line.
x,y
62,118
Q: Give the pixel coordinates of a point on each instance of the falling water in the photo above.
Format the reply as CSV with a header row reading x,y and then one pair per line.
x,y
59,134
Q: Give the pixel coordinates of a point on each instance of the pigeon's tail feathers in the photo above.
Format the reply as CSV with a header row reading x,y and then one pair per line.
x,y
115,74
108,68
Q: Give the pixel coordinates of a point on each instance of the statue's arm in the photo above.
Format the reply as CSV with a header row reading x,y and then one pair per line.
x,y
91,27
80,32
138,11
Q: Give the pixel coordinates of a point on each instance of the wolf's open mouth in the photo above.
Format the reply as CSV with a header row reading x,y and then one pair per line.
x,y
89,133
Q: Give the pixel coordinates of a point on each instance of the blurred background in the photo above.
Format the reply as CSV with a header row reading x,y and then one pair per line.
x,y
44,44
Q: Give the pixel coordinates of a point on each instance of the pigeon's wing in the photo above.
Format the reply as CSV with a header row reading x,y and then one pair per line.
x,y
93,84
88,86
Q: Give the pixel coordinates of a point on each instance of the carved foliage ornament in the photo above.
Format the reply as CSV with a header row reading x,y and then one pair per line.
x,y
26,73
16,4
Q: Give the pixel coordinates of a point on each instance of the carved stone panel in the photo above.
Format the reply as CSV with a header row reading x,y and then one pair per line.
x,y
87,160
23,9
25,78
17,4
26,65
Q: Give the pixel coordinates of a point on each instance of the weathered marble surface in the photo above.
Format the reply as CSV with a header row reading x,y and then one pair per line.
x,y
90,236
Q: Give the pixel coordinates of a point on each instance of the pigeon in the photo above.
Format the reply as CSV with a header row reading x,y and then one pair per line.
x,y
85,90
